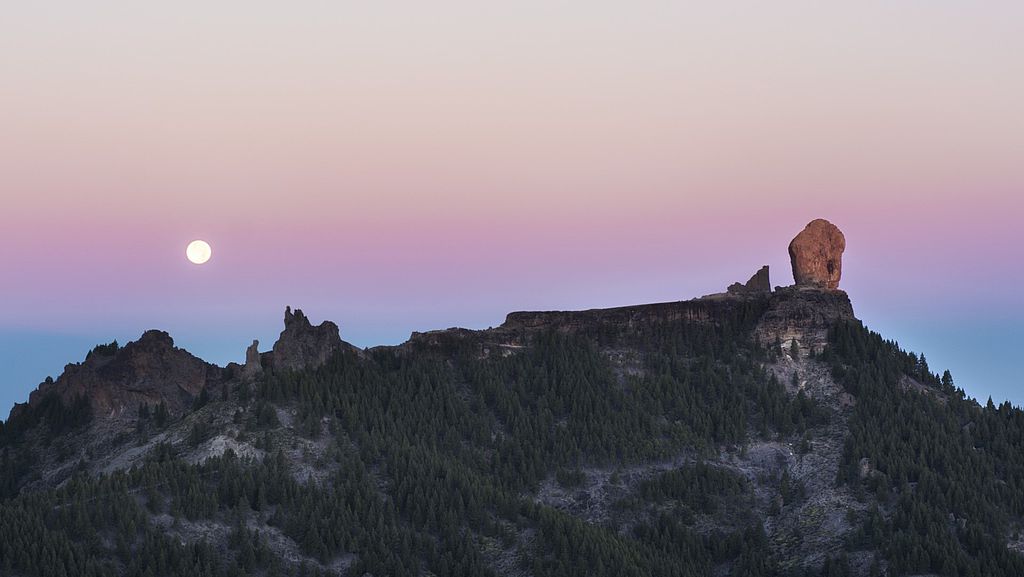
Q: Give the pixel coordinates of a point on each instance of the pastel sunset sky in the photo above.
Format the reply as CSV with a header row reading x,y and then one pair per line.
x,y
419,165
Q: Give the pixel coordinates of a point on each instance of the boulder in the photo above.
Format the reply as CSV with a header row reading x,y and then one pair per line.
x,y
817,255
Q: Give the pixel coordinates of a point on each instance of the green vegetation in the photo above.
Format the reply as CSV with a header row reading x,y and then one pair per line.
x,y
108,350
51,413
429,458
427,461
949,473
700,488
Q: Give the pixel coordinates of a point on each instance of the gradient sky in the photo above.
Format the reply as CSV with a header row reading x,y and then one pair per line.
x,y
409,166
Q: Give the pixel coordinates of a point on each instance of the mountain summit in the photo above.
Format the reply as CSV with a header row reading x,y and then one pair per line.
x,y
754,432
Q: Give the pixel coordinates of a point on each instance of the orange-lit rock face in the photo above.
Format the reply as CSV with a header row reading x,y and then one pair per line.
x,y
817,255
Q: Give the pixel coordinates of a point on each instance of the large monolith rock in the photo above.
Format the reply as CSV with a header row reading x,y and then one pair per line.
x,y
817,255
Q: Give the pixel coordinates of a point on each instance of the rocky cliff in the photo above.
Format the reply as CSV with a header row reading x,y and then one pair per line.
x,y
116,381
803,315
304,346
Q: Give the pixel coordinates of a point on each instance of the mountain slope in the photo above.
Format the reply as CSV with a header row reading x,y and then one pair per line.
x,y
748,433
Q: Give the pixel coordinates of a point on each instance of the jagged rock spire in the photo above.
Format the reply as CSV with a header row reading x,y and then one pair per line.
x,y
253,367
759,283
302,345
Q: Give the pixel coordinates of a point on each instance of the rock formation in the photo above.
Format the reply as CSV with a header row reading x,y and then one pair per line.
x,y
253,367
817,255
759,283
303,346
802,316
148,371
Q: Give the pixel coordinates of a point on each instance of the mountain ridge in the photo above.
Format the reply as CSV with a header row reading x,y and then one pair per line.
x,y
799,313
750,432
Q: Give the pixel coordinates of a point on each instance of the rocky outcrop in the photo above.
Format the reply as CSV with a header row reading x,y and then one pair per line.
x,y
802,316
709,310
304,346
253,367
116,381
817,255
759,283
785,317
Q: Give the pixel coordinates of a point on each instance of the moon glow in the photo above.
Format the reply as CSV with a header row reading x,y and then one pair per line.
x,y
198,251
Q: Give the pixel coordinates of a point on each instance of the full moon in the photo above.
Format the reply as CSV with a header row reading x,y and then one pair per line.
x,y
198,251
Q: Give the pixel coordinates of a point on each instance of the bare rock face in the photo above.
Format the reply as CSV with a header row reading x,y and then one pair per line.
x,y
817,255
148,371
803,316
303,346
759,283
252,354
253,367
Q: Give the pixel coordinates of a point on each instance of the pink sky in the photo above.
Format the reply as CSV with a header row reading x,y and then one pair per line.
x,y
406,167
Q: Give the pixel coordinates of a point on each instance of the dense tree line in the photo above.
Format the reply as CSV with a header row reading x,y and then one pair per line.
x,y
948,472
427,462
50,419
51,413
431,456
699,487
